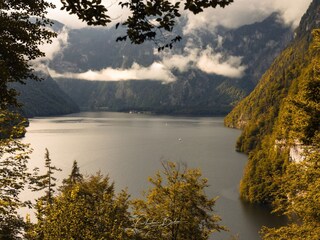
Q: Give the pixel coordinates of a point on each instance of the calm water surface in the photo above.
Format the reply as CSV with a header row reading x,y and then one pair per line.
x,y
131,147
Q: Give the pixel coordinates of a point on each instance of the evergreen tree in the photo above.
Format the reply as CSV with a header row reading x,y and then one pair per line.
x,y
46,183
74,177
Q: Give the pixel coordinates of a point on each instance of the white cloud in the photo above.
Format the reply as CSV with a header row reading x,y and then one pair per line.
x,y
237,14
214,63
156,71
243,12
51,50
181,62
206,60
57,45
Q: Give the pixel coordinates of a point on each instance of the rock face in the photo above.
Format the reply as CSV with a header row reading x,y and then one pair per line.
x,y
194,91
296,153
282,115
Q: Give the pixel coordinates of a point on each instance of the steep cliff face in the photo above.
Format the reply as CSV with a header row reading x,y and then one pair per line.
x,y
281,117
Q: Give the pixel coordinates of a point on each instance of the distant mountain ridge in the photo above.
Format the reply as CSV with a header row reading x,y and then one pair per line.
x,y
194,91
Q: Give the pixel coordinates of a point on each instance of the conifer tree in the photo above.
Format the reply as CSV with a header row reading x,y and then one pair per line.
x,y
74,177
47,183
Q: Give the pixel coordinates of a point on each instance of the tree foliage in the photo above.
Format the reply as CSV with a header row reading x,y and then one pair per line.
x,y
148,20
176,207
74,177
13,179
12,126
20,37
14,175
86,209
280,117
299,197
89,208
46,181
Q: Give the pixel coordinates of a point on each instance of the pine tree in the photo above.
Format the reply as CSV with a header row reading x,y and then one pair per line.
x,y
46,181
74,177
40,183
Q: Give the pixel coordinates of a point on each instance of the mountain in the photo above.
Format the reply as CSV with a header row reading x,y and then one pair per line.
x,y
195,91
44,98
281,117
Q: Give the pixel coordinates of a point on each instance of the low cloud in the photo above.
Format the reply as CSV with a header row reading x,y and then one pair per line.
x,y
214,63
57,45
206,60
51,50
156,71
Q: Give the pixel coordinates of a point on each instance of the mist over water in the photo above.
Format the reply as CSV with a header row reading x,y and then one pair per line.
x,y
130,148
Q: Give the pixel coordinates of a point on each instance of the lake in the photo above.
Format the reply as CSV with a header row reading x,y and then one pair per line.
x,y
130,147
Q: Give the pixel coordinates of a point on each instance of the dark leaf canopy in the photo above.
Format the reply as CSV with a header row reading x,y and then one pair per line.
x,y
22,30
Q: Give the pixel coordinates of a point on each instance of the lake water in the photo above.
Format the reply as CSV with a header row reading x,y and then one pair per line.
x,y
130,147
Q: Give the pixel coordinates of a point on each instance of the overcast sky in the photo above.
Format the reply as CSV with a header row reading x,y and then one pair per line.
x,y
238,13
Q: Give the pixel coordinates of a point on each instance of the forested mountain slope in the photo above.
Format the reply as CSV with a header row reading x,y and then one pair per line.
x,y
44,98
281,117
193,92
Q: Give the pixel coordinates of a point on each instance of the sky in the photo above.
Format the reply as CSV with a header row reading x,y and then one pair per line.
x,y
207,60
238,13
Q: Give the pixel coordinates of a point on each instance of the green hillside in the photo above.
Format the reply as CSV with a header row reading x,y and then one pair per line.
x,y
281,117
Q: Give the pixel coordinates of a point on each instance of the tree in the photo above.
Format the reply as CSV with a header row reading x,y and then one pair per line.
x,y
74,177
300,200
12,125
13,179
86,209
299,194
176,207
46,181
23,27
14,174
148,20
